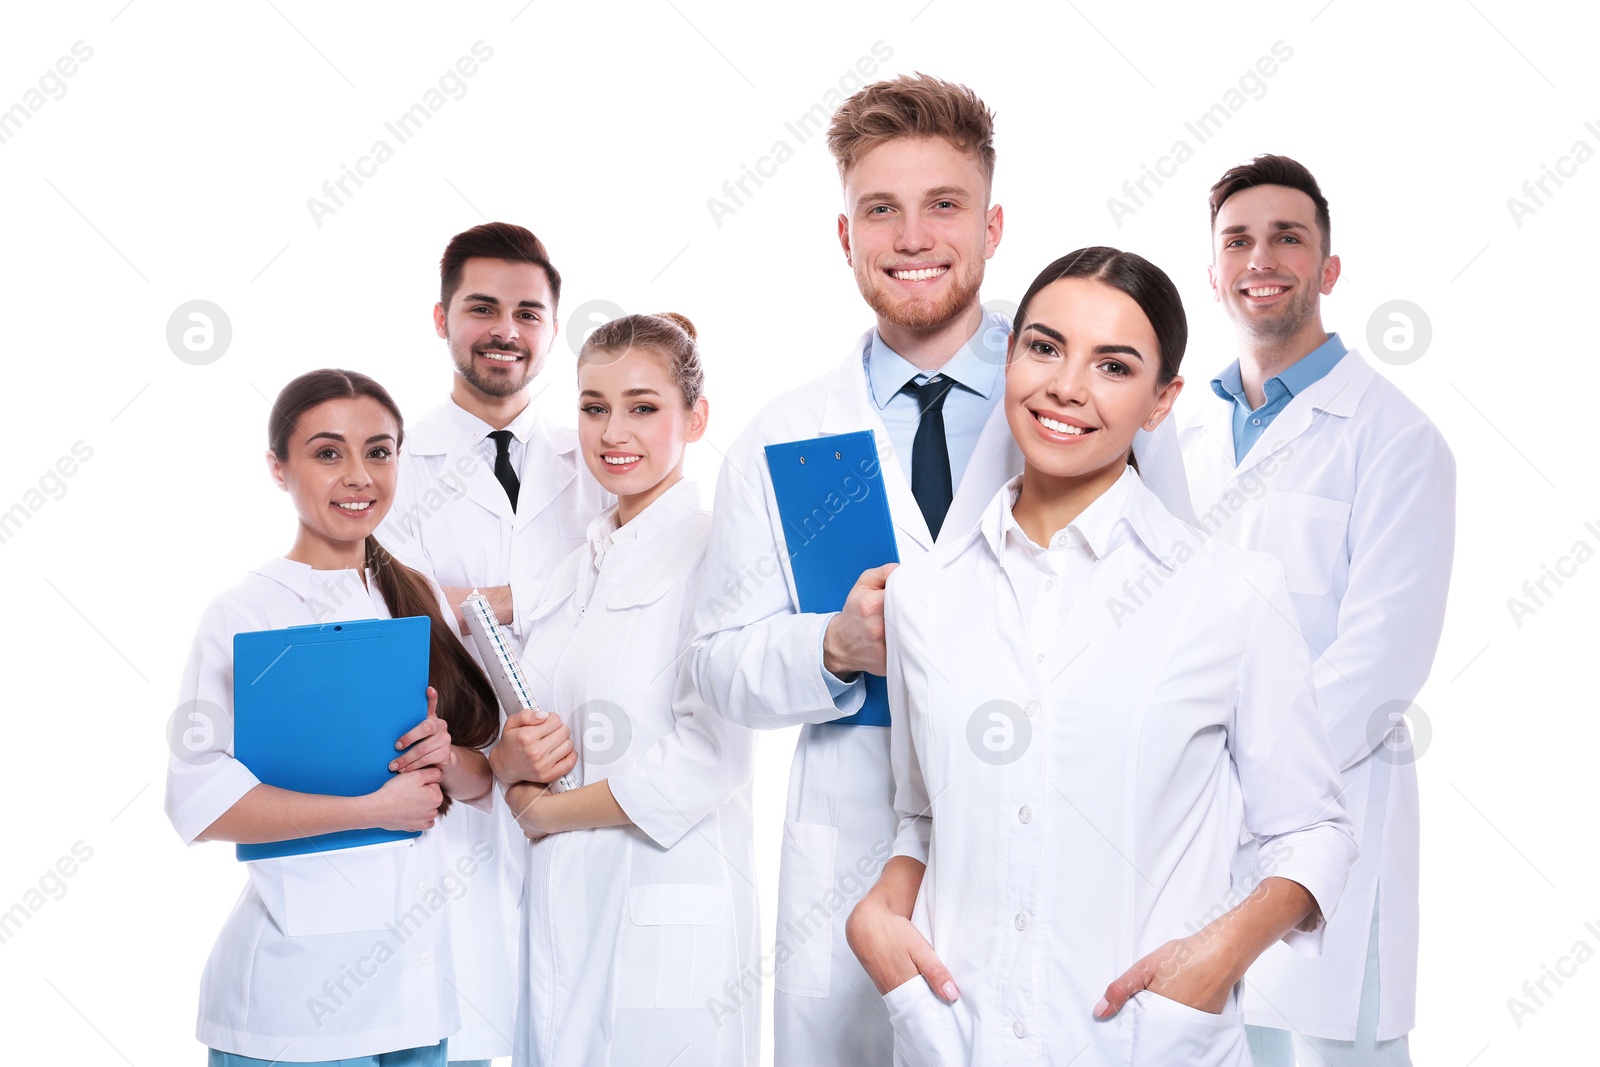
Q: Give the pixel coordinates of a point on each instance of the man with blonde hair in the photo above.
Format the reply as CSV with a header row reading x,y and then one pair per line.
x,y
916,161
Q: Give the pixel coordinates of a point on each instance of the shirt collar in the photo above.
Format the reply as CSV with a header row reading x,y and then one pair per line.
x,y
521,427
1104,525
1304,372
666,510
975,366
305,581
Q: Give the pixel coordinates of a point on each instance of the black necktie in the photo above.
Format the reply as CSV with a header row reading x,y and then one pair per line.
x,y
930,455
502,465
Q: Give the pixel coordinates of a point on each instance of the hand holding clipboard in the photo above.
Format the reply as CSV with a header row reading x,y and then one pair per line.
x,y
838,532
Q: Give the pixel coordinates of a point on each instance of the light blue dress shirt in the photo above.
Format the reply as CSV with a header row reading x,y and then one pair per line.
x,y
1248,425
978,370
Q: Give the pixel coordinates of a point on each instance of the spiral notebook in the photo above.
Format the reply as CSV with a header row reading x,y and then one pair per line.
x,y
504,668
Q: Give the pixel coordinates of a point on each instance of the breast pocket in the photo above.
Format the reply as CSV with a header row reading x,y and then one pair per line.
x,y
676,947
1307,536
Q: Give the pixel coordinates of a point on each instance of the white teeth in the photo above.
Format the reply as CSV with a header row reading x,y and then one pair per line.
x,y
499,357
1060,427
1270,290
918,275
618,461
356,505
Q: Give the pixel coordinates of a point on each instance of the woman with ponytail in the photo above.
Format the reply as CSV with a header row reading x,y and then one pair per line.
x,y
333,956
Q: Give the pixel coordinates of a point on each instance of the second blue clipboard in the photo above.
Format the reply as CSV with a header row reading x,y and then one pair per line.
x,y
836,524
317,709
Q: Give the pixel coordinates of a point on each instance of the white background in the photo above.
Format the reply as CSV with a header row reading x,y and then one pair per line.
x,y
177,165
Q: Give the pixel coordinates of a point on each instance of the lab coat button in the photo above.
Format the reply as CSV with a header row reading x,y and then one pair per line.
x,y
1018,1029
1031,707
1049,585
1021,924
1025,815
422,887
1039,658
426,959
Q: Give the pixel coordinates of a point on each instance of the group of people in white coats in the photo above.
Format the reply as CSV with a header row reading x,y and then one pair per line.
x,y
1140,794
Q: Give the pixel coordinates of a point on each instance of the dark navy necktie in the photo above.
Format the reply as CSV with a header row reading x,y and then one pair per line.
x,y
930,454
502,465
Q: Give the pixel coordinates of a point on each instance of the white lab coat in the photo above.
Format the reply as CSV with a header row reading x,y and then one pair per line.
x,y
1352,489
638,939
451,519
325,956
758,662
1135,742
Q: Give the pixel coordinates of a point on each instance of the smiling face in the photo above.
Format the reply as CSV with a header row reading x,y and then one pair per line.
x,y
1269,272
633,425
339,469
499,325
918,229
1082,379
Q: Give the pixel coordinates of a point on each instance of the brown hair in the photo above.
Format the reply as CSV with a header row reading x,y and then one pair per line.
x,y
1273,170
669,334
494,240
467,703
912,105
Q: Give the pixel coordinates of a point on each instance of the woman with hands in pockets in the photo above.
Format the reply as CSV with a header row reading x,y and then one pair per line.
x,y
639,914
1092,706
326,956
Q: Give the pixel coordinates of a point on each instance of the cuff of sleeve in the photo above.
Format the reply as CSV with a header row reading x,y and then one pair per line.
x,y
1320,862
228,784
847,697
912,837
484,803
656,820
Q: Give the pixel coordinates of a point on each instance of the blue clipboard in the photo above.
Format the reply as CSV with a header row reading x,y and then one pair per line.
x,y
317,709
836,524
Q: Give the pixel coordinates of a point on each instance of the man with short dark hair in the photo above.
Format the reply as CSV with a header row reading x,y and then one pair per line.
x,y
1358,506
491,497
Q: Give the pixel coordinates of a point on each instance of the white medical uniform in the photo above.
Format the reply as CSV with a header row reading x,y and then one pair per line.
x,y
640,941
758,661
451,519
1352,489
328,955
1077,771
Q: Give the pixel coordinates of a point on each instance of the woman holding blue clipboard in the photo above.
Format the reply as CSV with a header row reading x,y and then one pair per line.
x,y
639,914
332,956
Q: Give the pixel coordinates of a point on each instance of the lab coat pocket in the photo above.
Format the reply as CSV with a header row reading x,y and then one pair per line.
x,y
1166,1032
805,881
338,892
1306,533
925,1032
674,949
626,595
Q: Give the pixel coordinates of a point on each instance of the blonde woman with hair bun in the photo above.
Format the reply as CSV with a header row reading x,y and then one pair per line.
x,y
639,915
